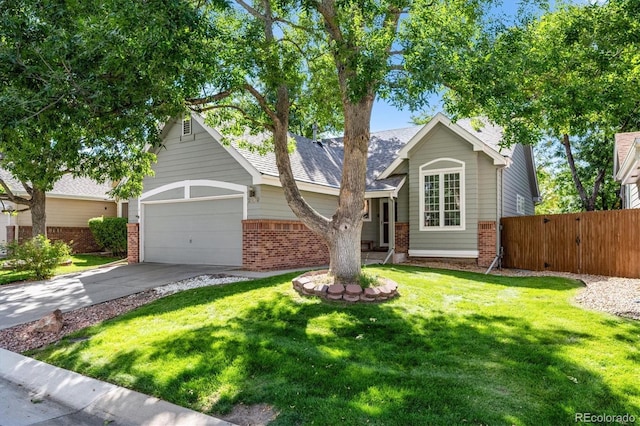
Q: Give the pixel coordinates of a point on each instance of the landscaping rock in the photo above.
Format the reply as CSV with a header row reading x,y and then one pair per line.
x,y
350,298
391,285
309,288
300,281
371,292
335,289
365,298
384,291
313,284
353,290
320,289
296,284
51,323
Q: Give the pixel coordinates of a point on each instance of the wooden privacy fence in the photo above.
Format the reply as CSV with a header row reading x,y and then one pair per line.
x,y
600,243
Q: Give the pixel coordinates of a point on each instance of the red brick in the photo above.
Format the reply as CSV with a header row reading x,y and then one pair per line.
x,y
133,243
79,238
486,242
402,237
280,244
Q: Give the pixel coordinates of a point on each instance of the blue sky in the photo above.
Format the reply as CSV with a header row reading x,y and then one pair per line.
x,y
386,116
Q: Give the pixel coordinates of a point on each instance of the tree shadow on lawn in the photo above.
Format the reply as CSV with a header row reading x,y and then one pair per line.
x,y
535,282
365,364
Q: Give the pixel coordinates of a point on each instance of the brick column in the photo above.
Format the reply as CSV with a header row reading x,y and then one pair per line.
x,y
11,233
133,243
402,237
486,243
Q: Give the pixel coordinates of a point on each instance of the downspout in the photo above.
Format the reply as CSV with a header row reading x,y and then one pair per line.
x,y
392,229
499,195
499,204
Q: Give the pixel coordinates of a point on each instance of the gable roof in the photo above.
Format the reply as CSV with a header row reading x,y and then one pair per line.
x,y
486,139
626,164
80,188
319,165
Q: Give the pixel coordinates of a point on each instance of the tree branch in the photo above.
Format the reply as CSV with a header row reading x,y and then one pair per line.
x,y
242,111
574,173
43,109
209,99
251,10
328,12
8,193
262,102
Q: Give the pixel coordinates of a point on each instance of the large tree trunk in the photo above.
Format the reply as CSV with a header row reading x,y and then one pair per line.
x,y
38,214
589,202
342,233
344,236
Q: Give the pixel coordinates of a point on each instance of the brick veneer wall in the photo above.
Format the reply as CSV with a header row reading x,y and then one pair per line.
x,y
280,244
402,237
11,233
133,243
79,238
486,243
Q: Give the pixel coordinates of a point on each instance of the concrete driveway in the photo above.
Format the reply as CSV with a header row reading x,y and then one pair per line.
x,y
22,303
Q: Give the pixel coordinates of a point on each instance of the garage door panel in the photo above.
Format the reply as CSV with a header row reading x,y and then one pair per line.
x,y
198,232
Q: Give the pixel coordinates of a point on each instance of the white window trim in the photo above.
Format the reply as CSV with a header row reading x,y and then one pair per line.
x,y
520,205
424,171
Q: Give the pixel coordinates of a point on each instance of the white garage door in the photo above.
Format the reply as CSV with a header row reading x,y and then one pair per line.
x,y
195,232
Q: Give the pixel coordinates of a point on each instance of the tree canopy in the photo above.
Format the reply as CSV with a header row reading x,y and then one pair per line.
x,y
285,65
84,86
571,75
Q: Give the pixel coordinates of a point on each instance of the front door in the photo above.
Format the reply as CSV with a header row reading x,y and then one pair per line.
x,y
384,222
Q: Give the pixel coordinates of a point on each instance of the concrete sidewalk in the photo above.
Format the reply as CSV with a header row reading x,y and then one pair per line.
x,y
35,393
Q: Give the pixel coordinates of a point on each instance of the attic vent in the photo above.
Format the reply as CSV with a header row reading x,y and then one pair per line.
x,y
186,125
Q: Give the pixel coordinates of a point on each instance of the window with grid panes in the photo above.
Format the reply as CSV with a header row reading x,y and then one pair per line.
x,y
442,199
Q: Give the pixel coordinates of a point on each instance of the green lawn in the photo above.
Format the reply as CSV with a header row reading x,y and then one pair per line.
x,y
79,262
455,348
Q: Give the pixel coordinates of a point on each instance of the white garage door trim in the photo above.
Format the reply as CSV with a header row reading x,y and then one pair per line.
x,y
187,185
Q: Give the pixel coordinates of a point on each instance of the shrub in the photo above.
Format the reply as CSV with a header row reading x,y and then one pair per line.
x,y
110,233
366,279
38,255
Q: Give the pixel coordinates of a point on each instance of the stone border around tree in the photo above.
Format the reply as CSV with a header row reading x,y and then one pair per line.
x,y
307,285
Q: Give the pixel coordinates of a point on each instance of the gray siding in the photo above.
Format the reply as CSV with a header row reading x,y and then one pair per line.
x,y
443,143
271,204
371,229
487,189
197,156
403,203
516,181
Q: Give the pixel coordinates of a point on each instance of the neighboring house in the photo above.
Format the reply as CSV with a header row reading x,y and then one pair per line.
x,y
433,191
69,206
626,168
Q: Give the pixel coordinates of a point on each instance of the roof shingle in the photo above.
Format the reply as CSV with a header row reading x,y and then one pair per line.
x,y
321,163
67,186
